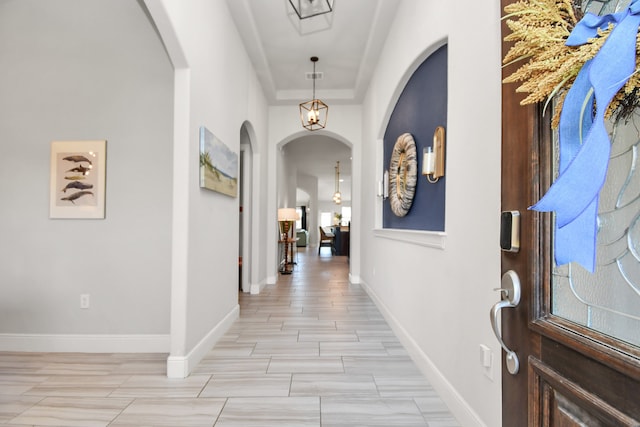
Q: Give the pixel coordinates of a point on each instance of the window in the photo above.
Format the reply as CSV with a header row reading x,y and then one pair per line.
x,y
301,214
346,215
326,219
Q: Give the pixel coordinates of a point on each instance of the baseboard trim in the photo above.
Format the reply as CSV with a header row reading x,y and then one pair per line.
x,y
82,343
271,280
460,409
181,366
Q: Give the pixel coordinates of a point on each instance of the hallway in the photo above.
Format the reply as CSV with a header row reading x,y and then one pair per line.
x,y
312,350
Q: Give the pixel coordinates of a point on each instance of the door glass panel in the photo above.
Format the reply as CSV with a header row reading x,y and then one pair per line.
x,y
603,7
609,300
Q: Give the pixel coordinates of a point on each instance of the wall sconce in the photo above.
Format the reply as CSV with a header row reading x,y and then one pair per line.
x,y
433,157
383,186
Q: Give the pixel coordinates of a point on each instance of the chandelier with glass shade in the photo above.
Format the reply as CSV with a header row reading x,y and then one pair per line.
x,y
313,114
337,197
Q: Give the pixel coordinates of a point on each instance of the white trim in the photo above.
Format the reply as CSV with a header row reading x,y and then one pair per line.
x,y
177,366
463,412
181,366
180,209
256,288
354,279
79,343
432,239
271,280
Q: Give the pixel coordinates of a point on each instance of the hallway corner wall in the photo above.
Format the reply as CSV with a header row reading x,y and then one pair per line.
x,y
223,94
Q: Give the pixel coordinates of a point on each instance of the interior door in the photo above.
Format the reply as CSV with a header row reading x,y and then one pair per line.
x,y
575,334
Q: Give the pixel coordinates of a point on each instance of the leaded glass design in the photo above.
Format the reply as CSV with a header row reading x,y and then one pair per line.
x,y
609,300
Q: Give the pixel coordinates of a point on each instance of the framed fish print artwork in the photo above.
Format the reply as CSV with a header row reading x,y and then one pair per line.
x,y
77,179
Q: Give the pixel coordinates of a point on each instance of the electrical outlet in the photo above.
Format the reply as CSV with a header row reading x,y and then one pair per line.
x,y
486,361
84,301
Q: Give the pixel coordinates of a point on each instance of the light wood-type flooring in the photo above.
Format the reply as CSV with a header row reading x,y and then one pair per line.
x,y
311,350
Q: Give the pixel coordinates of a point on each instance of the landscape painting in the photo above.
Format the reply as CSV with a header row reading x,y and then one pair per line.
x,y
77,180
218,165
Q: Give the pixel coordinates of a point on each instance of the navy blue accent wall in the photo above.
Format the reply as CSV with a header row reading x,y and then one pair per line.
x,y
421,108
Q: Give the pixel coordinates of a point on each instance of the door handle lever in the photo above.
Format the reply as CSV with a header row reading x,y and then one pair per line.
x,y
510,297
502,291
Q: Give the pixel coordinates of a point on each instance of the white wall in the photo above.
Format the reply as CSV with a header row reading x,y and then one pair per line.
x,y
438,299
218,90
74,70
289,180
309,184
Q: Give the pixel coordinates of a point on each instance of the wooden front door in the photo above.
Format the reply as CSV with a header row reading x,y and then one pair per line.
x,y
575,334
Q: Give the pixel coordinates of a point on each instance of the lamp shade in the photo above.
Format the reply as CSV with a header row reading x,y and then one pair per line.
x,y
287,214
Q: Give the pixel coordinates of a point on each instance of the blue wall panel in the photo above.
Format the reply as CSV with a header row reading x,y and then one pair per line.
x,y
421,108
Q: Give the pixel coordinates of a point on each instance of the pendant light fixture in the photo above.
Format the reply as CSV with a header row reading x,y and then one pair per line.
x,y
337,197
310,8
313,114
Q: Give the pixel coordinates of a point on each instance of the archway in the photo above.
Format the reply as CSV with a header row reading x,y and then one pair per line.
x,y
306,165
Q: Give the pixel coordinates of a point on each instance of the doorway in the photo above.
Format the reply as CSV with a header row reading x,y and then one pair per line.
x,y
308,176
245,211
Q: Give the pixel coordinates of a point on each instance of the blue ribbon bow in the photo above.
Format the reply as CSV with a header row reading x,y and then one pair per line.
x,y
584,161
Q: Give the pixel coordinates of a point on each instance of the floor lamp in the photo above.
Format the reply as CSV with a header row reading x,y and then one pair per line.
x,y
286,220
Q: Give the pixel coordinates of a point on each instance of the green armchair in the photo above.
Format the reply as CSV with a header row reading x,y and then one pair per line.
x,y
302,238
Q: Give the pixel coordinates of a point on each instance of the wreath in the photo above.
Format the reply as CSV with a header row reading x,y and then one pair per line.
x,y
589,63
540,30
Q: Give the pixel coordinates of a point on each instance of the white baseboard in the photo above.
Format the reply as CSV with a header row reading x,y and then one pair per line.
x,y
80,343
271,280
354,279
180,366
256,288
460,409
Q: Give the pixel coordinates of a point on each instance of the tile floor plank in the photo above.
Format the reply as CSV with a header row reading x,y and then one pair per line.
x,y
71,411
371,412
271,411
239,385
198,412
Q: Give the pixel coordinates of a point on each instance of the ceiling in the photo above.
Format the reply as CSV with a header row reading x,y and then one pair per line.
x,y
347,42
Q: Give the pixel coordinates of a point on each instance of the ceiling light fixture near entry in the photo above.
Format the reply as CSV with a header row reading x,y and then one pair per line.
x,y
310,8
337,196
313,114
